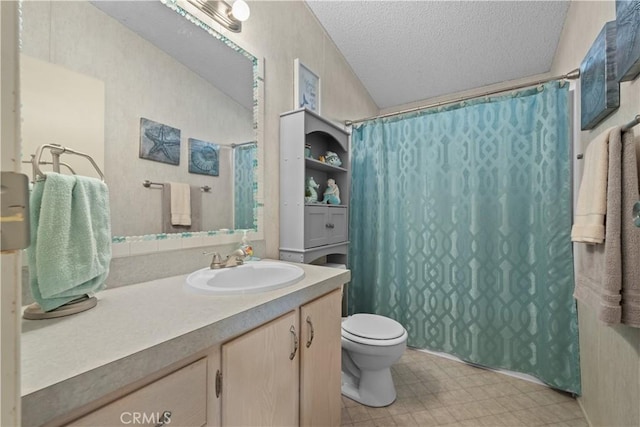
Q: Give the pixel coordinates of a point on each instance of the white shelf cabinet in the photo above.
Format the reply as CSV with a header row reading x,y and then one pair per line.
x,y
312,230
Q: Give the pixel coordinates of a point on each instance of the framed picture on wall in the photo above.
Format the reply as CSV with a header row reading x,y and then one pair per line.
x,y
204,157
159,142
599,87
306,87
628,39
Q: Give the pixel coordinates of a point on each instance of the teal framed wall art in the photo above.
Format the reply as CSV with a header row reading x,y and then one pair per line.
x,y
628,39
204,157
599,87
159,142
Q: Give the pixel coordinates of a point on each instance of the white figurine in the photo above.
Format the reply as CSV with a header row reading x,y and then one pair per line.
x,y
332,193
311,193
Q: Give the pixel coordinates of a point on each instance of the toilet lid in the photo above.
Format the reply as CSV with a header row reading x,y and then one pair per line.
x,y
373,327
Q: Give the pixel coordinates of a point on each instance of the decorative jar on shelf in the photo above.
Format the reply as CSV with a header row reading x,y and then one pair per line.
x,y
332,159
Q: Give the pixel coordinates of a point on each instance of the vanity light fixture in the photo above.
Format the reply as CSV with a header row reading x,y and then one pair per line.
x,y
230,17
240,10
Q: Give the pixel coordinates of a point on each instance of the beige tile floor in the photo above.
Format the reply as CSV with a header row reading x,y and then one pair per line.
x,y
434,391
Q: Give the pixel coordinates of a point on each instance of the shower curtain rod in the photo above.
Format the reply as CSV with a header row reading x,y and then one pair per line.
x,y
571,75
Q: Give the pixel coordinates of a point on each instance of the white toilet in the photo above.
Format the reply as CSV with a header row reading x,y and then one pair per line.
x,y
370,345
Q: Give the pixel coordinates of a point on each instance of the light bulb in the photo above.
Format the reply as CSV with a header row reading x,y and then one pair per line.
x,y
240,10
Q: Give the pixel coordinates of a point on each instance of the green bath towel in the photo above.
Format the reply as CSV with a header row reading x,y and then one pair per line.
x,y
70,247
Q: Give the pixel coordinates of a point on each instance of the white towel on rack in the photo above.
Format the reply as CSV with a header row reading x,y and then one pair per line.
x,y
180,203
196,211
588,224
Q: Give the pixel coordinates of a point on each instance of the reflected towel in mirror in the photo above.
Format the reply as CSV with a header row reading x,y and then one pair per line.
x,y
196,211
180,203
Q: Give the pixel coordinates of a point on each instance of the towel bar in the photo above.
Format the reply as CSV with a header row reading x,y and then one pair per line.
x,y
147,184
624,128
632,123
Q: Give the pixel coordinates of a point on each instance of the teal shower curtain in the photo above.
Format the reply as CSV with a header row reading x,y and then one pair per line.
x,y
460,230
244,163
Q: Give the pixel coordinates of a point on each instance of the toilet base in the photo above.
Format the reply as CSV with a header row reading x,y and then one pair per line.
x,y
373,388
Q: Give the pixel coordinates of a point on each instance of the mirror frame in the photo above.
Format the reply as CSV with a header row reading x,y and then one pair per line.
x,y
124,246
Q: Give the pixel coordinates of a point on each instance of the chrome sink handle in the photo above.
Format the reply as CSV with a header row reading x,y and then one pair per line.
x,y
216,260
235,258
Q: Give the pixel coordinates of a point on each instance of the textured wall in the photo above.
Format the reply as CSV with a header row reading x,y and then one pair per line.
x,y
54,100
609,356
279,32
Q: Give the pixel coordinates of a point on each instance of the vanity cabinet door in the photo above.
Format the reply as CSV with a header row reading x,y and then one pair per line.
x,y
260,375
320,364
316,226
325,225
337,220
214,397
178,399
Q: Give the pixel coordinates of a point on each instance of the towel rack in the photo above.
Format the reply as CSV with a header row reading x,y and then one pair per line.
x,y
56,151
632,123
147,184
624,128
66,165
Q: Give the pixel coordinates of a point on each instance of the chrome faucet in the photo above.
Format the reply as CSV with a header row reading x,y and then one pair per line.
x,y
216,260
233,260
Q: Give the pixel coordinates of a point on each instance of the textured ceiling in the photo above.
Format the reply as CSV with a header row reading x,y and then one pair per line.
x,y
405,51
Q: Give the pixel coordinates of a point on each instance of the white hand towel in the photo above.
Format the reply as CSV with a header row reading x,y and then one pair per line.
x,y
588,223
180,203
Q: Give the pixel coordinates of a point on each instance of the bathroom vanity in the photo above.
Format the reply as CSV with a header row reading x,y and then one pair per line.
x,y
155,353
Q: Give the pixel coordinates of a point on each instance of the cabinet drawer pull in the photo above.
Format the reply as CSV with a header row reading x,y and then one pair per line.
x,y
329,225
165,419
295,342
218,383
310,331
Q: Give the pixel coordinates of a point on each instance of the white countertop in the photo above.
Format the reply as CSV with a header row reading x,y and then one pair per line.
x,y
139,329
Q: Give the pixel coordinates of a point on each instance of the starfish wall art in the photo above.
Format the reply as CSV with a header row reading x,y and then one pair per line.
x,y
159,142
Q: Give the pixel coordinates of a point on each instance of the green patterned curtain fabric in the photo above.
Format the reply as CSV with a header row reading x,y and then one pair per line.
x,y
243,192
460,230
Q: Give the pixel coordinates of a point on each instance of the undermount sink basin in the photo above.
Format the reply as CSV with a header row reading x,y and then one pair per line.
x,y
251,277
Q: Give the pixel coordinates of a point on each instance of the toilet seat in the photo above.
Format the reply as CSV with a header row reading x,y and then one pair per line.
x,y
371,329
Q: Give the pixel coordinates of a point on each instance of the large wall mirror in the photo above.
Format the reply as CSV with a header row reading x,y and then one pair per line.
x,y
152,94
